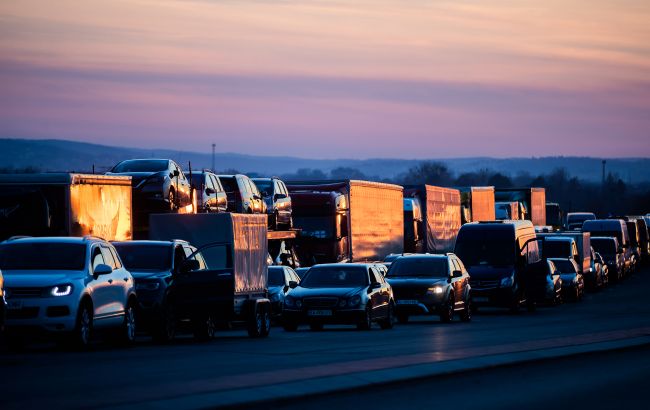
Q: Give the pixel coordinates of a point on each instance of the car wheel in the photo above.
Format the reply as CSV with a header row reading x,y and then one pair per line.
x,y
256,322
166,330
127,335
315,327
389,320
204,327
447,312
366,321
466,314
289,326
403,319
172,200
82,333
276,219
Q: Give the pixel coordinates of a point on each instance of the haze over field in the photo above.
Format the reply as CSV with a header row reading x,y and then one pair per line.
x,y
331,79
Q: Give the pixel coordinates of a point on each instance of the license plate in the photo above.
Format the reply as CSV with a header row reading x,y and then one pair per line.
x,y
480,299
14,304
407,302
320,313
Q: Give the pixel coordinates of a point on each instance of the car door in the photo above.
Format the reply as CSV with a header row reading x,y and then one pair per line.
x,y
221,198
100,286
457,283
256,197
116,281
209,193
375,293
123,275
465,287
287,202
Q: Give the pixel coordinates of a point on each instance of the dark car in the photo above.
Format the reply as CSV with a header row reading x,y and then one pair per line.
x,y
573,284
430,284
612,254
243,195
601,265
158,184
339,293
278,202
498,256
574,220
153,265
546,283
210,195
278,283
616,228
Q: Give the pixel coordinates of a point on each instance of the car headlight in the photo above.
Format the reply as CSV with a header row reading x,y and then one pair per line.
x,y
61,290
436,290
354,301
147,286
507,281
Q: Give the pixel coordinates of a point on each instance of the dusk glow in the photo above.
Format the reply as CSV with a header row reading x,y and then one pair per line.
x,y
328,79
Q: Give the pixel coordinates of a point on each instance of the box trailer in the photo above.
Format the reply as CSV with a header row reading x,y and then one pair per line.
x,y
226,281
440,219
532,202
348,220
477,203
65,204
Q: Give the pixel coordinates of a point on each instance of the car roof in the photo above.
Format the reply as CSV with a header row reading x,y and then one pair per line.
x,y
343,265
559,238
57,239
148,242
425,255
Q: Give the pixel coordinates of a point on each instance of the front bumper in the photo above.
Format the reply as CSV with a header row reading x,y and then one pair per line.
x,y
427,305
496,297
338,316
55,314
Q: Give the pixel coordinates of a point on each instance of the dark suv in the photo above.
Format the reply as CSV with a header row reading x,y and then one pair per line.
x,y
210,195
158,185
243,195
430,284
278,202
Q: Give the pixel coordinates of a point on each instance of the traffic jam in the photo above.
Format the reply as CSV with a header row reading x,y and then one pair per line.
x,y
150,249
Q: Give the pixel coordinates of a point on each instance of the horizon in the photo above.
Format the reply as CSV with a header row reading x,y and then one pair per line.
x,y
317,79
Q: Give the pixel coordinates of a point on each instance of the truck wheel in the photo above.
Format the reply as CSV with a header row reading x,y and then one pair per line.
x,y
256,322
266,320
204,327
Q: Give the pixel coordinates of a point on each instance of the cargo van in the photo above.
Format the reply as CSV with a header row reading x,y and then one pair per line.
x,y
499,256
615,228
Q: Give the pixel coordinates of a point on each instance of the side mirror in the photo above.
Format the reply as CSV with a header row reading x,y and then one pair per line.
x,y
102,269
210,191
293,284
190,265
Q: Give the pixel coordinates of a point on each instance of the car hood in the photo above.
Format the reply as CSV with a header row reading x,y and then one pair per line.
x,y
398,282
23,278
489,272
137,177
149,274
301,292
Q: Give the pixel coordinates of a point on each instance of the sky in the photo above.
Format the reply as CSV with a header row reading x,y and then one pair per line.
x,y
331,79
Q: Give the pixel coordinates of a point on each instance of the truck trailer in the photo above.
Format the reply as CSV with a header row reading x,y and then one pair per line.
x,y
65,204
433,228
346,220
226,280
532,202
477,203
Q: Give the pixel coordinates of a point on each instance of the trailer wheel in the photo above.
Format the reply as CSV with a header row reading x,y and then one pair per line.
x,y
256,321
266,315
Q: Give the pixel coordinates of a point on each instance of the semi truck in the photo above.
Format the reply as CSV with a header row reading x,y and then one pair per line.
x,y
431,218
226,279
65,204
346,220
532,202
477,203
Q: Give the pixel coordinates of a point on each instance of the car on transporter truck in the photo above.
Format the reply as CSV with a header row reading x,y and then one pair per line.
x,y
66,286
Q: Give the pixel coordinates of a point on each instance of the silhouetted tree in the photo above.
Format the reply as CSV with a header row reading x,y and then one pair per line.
x,y
428,172
347,173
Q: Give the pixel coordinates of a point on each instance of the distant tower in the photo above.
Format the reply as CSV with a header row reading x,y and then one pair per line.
x,y
213,147
603,178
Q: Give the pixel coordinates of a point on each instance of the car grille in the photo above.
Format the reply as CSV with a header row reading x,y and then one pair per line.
x,y
405,292
24,292
24,313
484,284
320,302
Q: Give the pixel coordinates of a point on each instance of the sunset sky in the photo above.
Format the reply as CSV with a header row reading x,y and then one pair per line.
x,y
331,79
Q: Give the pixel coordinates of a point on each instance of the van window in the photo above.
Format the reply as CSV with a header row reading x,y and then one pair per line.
x,y
488,247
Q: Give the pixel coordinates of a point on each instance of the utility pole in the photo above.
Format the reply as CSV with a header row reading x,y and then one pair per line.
x,y
603,180
213,147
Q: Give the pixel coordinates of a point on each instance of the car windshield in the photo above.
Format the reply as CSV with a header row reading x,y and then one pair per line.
x,y
229,184
335,277
604,246
276,276
142,165
42,256
556,249
265,186
419,267
564,265
156,257
486,247
315,226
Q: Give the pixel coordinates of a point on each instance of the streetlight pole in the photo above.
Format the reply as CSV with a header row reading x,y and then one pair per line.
x,y
213,147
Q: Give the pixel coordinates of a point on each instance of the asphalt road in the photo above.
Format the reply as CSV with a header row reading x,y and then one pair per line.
x,y
107,376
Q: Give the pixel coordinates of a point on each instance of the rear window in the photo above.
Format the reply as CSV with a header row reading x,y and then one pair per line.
x,y
564,266
557,249
265,186
335,277
419,267
229,184
604,246
43,256
145,257
276,276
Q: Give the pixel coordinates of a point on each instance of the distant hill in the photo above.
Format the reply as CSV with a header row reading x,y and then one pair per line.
x,y
62,155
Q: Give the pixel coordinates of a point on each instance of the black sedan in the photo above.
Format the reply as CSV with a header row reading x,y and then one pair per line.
x,y
573,283
430,284
339,293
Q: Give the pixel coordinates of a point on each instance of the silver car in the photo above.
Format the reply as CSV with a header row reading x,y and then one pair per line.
x,y
66,286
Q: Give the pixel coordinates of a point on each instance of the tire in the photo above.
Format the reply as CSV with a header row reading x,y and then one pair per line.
x,y
316,327
127,330
165,332
289,326
171,196
204,327
447,311
389,321
276,224
256,322
266,320
82,333
366,321
466,314
403,319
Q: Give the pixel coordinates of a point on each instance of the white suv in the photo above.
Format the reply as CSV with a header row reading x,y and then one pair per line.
x,y
67,286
